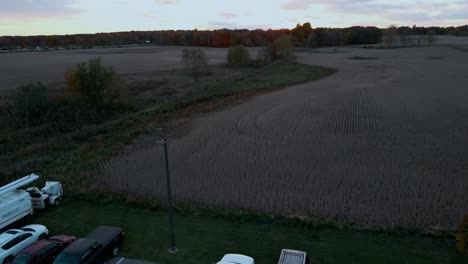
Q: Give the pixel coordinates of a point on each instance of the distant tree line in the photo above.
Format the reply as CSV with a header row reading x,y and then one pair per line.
x,y
461,31
200,38
303,35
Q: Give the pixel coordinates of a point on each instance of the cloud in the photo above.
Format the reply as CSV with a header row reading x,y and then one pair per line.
x,y
296,5
37,8
455,14
151,15
221,25
400,11
228,15
167,2
305,4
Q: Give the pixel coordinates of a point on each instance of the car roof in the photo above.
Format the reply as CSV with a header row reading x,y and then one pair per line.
x,y
10,233
79,246
61,238
6,236
36,246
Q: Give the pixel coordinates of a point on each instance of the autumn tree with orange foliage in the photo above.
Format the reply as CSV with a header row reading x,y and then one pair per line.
x,y
221,38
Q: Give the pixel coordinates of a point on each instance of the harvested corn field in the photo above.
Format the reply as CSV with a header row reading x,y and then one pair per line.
x,y
382,143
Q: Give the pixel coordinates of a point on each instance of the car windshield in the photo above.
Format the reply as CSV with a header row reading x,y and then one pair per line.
x,y
22,258
66,258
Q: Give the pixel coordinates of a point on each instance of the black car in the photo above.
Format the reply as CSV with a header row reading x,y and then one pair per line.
x,y
98,246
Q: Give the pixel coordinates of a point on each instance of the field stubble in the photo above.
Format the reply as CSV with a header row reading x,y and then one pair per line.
x,y
380,144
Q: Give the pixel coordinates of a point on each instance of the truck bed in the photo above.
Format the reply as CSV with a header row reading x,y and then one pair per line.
x,y
104,234
289,256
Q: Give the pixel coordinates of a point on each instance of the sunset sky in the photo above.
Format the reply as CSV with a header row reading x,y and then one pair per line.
x,y
37,17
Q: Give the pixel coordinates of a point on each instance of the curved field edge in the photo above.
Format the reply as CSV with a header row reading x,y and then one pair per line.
x,y
73,157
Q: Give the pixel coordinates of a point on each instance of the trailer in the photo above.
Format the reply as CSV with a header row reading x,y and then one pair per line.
x,y
16,203
289,256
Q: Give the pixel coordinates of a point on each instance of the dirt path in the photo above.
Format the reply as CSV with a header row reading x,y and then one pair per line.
x,y
383,143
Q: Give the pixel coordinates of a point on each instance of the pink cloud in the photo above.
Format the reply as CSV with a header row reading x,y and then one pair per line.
x,y
220,25
228,15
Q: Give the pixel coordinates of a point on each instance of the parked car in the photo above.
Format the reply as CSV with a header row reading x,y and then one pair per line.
x,y
14,240
236,259
43,251
101,244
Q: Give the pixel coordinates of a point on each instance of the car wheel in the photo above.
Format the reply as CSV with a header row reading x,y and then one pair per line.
x,y
43,236
8,260
115,252
56,202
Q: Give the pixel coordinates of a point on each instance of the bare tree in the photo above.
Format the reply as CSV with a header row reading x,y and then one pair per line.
x,y
419,40
390,38
431,38
194,60
403,38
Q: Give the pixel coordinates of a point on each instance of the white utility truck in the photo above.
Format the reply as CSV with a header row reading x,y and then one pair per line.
x,y
16,203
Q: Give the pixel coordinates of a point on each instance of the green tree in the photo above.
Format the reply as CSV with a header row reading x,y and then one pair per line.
x,y
238,56
98,83
283,47
298,33
307,29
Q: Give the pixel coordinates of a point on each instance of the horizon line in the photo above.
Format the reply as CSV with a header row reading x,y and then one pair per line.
x,y
235,29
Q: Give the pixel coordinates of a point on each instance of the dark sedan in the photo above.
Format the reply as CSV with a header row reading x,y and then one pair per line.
x,y
43,251
98,246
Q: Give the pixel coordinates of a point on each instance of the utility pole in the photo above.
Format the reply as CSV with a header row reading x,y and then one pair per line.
x,y
173,248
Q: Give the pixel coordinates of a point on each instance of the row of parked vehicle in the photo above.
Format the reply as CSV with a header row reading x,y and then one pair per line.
x,y
32,245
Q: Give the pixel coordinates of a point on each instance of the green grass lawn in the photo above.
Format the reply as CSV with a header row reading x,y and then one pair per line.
x,y
205,239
